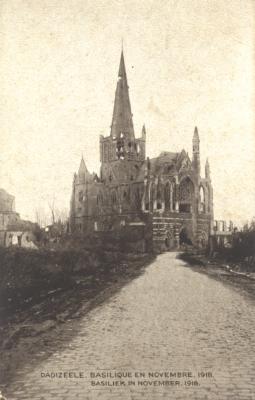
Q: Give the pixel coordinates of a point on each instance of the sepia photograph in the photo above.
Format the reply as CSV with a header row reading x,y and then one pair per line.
x,y
127,200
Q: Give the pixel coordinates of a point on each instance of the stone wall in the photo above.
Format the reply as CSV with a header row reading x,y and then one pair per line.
x,y
168,231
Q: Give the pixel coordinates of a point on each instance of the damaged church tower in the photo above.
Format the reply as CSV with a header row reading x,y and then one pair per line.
x,y
164,198
121,154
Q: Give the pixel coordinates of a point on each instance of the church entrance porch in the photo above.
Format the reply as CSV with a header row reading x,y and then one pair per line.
x,y
185,237
172,231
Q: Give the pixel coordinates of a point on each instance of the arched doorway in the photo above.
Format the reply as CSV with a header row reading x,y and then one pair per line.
x,y
185,237
169,240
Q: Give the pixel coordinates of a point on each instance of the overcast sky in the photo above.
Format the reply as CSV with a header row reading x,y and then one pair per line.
x,y
188,63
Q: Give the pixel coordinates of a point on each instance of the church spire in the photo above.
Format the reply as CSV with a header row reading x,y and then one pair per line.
x,y
196,151
122,122
143,132
207,169
83,172
82,167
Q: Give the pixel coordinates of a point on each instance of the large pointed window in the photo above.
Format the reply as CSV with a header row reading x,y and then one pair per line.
x,y
100,199
152,195
114,197
81,196
147,198
137,198
159,200
202,199
167,196
186,195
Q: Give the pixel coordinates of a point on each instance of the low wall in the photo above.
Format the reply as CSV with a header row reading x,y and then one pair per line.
x,y
127,239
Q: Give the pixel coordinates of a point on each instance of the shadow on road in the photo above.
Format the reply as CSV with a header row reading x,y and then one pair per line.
x,y
35,334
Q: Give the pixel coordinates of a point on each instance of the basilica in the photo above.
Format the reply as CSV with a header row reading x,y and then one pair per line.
x,y
165,198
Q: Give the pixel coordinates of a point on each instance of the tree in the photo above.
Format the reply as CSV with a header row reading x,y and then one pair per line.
x,y
40,217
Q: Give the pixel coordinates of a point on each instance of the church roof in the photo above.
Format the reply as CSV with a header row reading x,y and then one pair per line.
x,y
4,194
122,121
165,157
83,173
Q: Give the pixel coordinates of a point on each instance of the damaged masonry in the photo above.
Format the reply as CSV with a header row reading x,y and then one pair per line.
x,y
164,199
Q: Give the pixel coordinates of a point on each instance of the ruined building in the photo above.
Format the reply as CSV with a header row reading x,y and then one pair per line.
x,y
166,195
8,215
13,230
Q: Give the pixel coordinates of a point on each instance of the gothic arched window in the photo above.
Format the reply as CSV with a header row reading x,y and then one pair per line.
x,y
152,195
114,197
167,196
202,194
186,195
81,196
159,200
100,199
147,198
137,198
202,199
